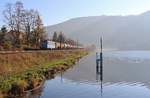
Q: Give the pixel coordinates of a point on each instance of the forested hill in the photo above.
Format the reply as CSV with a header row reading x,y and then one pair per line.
x,y
119,32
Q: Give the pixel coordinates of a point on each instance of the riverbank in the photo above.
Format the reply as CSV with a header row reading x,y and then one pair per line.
x,y
20,72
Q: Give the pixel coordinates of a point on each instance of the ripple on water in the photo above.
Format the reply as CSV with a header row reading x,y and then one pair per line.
x,y
68,88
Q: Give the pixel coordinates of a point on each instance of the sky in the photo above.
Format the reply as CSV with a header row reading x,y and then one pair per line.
x,y
57,11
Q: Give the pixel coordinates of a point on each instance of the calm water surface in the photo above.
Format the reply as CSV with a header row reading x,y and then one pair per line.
x,y
126,74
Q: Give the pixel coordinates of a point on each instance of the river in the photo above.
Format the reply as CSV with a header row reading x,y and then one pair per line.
x,y
126,74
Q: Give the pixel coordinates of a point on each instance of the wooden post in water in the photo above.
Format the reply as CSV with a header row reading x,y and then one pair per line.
x,y
101,58
101,53
101,44
101,66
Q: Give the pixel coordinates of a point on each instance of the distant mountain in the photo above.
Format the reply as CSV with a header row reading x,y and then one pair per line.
x,y
119,32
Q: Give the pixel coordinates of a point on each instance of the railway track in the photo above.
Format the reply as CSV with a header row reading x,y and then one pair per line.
x,y
37,50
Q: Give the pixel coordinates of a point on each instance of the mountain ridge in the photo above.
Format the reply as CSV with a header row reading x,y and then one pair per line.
x,y
120,32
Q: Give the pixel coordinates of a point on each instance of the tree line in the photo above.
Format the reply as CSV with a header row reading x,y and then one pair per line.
x,y
23,28
61,38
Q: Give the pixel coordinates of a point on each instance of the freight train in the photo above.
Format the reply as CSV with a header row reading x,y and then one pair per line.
x,y
48,44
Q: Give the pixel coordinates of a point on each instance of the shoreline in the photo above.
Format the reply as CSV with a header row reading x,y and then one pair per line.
x,y
30,79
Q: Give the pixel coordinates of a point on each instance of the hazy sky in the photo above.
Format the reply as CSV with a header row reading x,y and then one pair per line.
x,y
56,11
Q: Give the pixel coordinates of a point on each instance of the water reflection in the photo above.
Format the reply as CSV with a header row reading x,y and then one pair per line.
x,y
99,70
116,73
112,78
61,75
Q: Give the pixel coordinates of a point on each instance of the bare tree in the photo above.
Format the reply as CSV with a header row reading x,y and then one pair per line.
x,y
19,10
25,25
13,16
9,19
29,24
9,16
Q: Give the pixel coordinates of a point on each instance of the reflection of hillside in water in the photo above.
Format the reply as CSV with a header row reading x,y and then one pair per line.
x,y
129,56
123,71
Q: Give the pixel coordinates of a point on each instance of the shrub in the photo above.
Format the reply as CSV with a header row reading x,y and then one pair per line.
x,y
18,87
7,45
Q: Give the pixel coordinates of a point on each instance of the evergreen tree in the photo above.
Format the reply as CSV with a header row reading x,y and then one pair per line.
x,y
2,34
61,39
55,37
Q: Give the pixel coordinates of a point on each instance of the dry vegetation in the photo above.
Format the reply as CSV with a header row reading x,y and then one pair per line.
x,y
24,71
17,62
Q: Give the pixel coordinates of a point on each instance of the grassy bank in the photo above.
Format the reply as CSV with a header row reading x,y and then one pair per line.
x,y
21,72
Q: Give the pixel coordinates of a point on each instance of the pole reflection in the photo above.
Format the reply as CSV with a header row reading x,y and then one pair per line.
x,y
99,71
